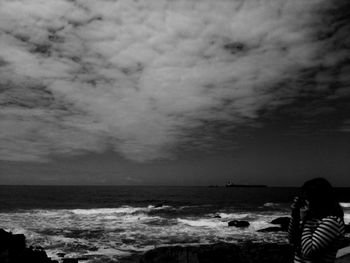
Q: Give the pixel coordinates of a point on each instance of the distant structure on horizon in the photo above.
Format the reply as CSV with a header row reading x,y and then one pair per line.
x,y
231,184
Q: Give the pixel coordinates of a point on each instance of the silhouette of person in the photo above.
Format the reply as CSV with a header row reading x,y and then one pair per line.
x,y
317,224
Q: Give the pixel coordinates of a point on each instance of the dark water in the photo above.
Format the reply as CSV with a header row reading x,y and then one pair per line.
x,y
59,197
112,223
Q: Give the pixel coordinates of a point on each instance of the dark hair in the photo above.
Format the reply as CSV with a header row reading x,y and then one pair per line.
x,y
322,200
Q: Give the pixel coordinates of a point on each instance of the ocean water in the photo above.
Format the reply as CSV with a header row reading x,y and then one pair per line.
x,y
117,223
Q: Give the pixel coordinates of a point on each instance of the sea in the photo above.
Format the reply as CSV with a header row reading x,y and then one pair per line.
x,y
118,223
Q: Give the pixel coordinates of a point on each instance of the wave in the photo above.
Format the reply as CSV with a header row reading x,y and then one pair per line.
x,y
104,211
233,216
211,223
117,232
345,205
270,204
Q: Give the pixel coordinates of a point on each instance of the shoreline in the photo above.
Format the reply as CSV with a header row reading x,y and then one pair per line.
x,y
13,249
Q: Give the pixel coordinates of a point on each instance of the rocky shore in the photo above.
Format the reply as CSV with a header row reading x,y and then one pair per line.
x,y
221,252
13,249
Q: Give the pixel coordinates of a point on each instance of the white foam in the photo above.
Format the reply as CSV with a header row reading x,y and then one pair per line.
x,y
233,215
202,223
120,210
108,252
127,229
345,205
163,207
272,204
344,251
347,218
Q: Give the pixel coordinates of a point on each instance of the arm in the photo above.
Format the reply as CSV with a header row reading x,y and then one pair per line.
x,y
294,232
324,235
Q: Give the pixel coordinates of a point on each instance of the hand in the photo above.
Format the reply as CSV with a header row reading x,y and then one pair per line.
x,y
304,211
297,203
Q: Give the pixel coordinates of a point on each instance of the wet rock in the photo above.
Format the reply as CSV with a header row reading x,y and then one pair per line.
x,y
128,241
5,239
238,223
271,229
344,242
18,242
282,221
234,47
347,228
216,216
221,252
13,250
70,260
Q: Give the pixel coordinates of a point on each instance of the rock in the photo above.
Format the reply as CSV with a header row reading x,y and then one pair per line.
x,y
128,241
344,242
5,239
343,259
216,216
13,250
221,252
18,242
238,223
70,260
271,229
192,254
347,228
283,221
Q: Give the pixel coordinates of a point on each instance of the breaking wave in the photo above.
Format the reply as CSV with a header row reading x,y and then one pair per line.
x,y
111,234
119,232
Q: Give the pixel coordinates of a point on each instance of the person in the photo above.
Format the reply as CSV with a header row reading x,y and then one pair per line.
x,y
317,224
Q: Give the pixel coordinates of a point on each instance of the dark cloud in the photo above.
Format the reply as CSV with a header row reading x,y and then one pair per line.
x,y
146,79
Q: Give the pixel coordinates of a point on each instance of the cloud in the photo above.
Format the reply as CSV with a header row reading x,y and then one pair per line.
x,y
139,77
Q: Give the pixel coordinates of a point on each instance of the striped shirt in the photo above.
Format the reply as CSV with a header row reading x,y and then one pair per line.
x,y
316,240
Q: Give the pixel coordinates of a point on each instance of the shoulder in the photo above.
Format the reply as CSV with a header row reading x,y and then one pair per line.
x,y
333,222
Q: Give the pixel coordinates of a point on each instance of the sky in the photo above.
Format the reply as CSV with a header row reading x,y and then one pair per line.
x,y
174,92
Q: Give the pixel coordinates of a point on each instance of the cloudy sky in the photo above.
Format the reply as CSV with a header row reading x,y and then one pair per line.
x,y
184,92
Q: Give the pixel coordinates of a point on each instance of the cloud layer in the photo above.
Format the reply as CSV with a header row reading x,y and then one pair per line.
x,y
138,77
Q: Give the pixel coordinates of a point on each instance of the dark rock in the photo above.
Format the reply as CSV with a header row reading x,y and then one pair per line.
x,y
204,253
83,258
216,216
347,228
282,221
234,47
128,241
221,252
5,240
70,260
238,223
38,247
18,242
344,242
60,254
37,256
158,205
13,250
271,229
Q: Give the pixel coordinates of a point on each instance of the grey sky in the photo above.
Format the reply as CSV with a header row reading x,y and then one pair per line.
x,y
174,92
